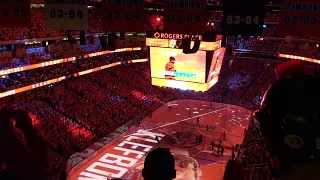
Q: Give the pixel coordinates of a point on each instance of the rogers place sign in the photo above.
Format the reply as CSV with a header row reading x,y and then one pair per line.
x,y
158,35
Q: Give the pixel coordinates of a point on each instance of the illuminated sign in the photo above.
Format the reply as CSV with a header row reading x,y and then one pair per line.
x,y
184,85
168,43
216,63
159,35
157,42
178,74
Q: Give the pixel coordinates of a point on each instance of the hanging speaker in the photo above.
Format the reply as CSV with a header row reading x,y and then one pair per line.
x,y
224,41
51,41
112,42
70,39
122,36
229,50
13,47
9,47
103,42
82,38
44,43
91,40
186,43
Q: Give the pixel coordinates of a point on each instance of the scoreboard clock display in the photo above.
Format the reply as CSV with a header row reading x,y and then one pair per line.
x,y
243,17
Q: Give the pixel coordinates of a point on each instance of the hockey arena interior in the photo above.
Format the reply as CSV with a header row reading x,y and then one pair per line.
x,y
89,104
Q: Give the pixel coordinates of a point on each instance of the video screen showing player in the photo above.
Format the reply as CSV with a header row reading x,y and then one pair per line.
x,y
173,64
216,64
170,67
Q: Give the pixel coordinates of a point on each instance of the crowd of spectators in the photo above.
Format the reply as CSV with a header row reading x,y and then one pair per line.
x,y
242,80
75,113
36,53
114,95
278,46
252,98
239,77
59,118
27,54
253,155
72,114
82,109
24,78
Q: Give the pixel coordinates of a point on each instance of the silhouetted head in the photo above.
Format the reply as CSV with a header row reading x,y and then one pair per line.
x,y
233,171
159,165
289,118
20,158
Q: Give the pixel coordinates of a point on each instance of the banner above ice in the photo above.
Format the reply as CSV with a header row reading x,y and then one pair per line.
x,y
66,15
299,18
123,16
15,13
185,16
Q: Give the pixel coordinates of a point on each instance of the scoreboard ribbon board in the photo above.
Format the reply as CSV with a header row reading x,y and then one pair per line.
x,y
245,17
300,18
185,16
15,13
123,16
66,14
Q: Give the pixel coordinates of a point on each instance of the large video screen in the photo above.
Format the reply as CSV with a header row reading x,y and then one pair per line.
x,y
216,64
173,64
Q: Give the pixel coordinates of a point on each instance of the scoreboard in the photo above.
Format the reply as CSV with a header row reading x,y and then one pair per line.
x,y
198,71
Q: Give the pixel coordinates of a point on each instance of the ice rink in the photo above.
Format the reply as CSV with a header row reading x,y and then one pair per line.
x,y
177,129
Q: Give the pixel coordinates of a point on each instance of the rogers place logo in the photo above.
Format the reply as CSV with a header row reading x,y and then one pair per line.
x,y
158,35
